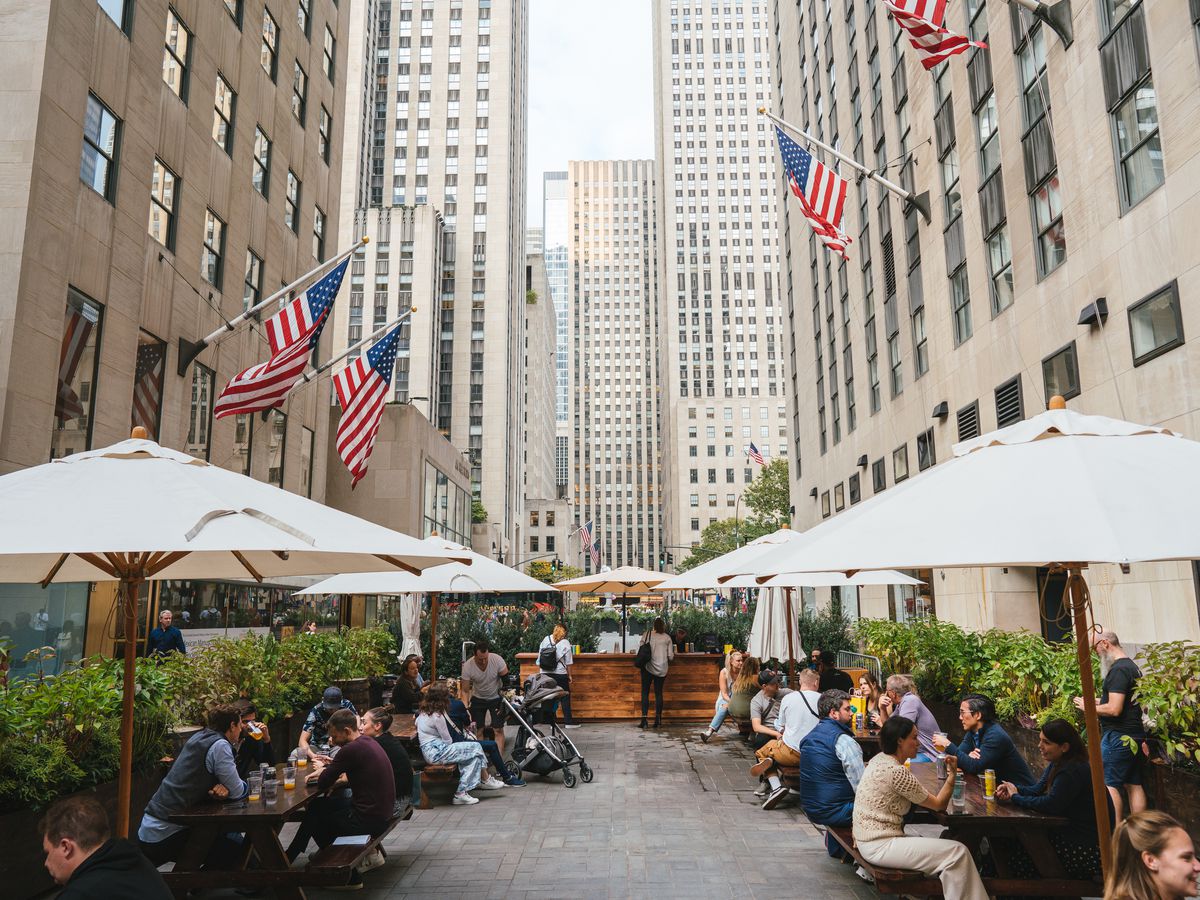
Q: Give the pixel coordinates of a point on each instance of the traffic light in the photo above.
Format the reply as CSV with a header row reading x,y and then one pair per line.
x,y
555,564
662,560
670,558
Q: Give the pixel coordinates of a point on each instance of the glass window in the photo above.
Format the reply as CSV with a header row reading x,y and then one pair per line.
x,y
261,174
534,518
118,11
164,186
907,603
270,43
176,55
75,397
54,617
987,122
1060,373
291,203
825,511
150,367
1135,129
214,249
534,544
234,7
839,497
926,451
307,444
243,441
324,127
960,304
101,143
1115,11
276,446
299,92
328,53
1031,62
855,485
199,441
900,463
878,476
304,16
252,289
1000,268
1156,324
550,543
1048,222
318,234
949,166
224,104
920,343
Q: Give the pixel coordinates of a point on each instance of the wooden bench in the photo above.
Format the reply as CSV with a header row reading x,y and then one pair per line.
x,y
334,863
790,776
439,774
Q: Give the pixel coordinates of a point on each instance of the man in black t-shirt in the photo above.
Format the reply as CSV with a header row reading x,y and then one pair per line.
x,y
1120,720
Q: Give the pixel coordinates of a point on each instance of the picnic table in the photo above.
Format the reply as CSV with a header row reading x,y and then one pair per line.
x,y
868,740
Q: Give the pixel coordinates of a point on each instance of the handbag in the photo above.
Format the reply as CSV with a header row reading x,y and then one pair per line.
x,y
643,655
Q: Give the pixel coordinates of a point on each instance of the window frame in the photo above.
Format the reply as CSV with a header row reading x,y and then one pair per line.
x,y
1043,271
237,12
1121,159
329,54
274,415
152,340
319,236
961,311
82,300
304,8
257,164
291,202
1171,288
900,454
299,92
170,212
219,251
879,468
324,133
257,288
125,26
1072,353
218,113
110,180
271,46
184,64
197,368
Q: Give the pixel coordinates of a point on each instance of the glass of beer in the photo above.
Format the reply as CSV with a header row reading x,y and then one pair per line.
x,y
289,778
301,759
255,782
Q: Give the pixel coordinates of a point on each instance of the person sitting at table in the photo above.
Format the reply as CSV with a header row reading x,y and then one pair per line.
x,y
204,769
831,766
314,737
985,744
884,797
372,782
725,679
796,717
901,699
1064,789
1155,860
407,693
377,724
438,745
252,752
832,678
869,689
745,686
764,709
83,857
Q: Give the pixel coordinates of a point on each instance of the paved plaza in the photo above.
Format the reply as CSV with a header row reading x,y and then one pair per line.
x,y
667,816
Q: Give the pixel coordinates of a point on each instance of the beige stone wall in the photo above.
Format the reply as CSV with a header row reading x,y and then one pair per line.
x,y
539,358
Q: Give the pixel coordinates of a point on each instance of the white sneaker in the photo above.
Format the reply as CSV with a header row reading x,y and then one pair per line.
x,y
464,800
864,874
490,785
373,861
576,725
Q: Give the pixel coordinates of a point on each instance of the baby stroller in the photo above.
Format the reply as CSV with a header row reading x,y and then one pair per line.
x,y
535,751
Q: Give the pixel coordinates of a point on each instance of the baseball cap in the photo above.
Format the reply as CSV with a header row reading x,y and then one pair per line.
x,y
766,676
332,698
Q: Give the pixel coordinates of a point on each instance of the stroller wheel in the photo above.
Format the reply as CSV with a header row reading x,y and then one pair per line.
x,y
514,771
569,778
586,773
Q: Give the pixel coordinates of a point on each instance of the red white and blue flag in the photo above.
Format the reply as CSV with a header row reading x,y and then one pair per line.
x,y
922,20
596,554
756,455
588,540
293,333
821,191
362,388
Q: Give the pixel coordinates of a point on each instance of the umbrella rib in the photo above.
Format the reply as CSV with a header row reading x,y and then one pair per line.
x,y
54,570
162,561
400,564
100,563
246,565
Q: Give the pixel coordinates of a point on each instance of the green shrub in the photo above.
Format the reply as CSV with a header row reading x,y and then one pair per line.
x,y
1168,693
828,630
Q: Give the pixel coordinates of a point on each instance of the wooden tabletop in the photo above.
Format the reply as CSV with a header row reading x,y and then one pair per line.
x,y
245,811
978,810
404,726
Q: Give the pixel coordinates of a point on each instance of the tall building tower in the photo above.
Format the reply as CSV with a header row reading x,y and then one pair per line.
x,y
1047,269
437,99
556,241
615,391
720,319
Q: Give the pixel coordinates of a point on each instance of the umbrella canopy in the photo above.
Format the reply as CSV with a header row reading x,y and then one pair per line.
x,y
769,638
820,579
139,511
706,574
1061,490
624,580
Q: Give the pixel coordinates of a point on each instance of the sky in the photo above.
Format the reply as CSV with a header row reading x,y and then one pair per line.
x,y
590,89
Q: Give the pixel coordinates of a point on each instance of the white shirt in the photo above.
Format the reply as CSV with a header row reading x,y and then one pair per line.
x,y
795,718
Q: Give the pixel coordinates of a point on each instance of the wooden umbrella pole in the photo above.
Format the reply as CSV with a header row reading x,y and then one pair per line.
x,y
434,598
1083,652
791,621
128,589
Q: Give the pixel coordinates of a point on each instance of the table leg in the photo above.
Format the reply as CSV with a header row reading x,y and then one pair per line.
x,y
273,858
195,851
1041,851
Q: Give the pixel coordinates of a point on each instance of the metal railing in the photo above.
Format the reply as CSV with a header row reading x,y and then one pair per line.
x,y
848,659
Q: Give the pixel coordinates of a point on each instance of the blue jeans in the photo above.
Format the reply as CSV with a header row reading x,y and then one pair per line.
x,y
468,755
722,712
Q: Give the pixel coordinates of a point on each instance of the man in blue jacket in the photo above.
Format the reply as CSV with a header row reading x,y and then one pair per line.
x,y
165,638
831,766
985,744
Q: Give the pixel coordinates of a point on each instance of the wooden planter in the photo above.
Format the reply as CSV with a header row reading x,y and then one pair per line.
x,y
357,691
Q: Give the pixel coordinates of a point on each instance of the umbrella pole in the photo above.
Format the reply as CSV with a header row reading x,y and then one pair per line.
x,y
434,598
787,592
1083,652
624,621
128,591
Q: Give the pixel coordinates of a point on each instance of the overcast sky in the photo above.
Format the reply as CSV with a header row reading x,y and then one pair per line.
x,y
590,93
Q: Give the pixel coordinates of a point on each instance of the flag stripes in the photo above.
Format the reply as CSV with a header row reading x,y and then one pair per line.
x,y
362,389
922,21
820,190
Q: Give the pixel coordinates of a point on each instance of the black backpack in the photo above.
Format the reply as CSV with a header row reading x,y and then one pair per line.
x,y
547,657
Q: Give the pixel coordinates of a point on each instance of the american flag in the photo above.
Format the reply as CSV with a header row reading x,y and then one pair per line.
x,y
755,455
147,386
362,389
595,551
821,191
587,540
923,19
79,325
292,332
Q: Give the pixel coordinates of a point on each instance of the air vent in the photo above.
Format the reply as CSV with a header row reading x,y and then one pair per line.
x,y
1008,403
968,422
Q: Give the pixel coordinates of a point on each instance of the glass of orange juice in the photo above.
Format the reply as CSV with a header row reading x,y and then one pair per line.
x,y
255,783
289,778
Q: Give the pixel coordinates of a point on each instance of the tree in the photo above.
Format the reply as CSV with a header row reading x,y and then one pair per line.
x,y
768,498
545,571
479,515
722,536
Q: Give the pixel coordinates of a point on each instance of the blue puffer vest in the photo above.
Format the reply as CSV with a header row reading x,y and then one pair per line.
x,y
825,789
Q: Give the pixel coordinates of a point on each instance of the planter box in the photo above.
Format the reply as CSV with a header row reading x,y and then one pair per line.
x,y
357,691
21,870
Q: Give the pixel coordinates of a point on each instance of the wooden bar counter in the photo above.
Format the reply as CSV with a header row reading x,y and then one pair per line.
x,y
609,686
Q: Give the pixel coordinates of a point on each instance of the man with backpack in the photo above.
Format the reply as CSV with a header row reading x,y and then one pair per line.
x,y
555,657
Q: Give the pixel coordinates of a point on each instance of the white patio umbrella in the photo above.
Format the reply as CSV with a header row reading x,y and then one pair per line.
x,y
410,625
624,580
706,574
483,576
136,511
1061,489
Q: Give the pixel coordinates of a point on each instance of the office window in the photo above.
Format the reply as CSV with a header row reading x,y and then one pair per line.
x,y
1060,373
268,55
101,144
839,497
307,456
549,543
291,203
78,369
987,124
920,343
243,441
149,368
324,129
1156,324
1048,223
926,451
214,249
224,106
900,463
276,446
304,16
164,186
534,544
960,304
825,511
234,8
118,11
261,173
878,476
176,55
200,412
299,92
328,54
1139,150
1009,406
855,486
318,234
1000,270
252,287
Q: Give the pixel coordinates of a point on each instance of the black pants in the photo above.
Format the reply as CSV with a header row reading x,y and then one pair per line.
x,y
328,818
225,853
657,680
480,710
550,709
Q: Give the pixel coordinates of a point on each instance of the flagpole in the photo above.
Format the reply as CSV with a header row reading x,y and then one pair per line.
x,y
189,350
920,201
1057,16
324,367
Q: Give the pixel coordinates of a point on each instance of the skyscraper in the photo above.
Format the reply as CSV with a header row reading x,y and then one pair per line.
x,y
615,366
436,103
556,242
721,361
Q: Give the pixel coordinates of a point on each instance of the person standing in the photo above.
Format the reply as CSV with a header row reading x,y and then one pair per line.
x,y
733,666
166,638
662,651
83,857
1120,723
482,676
832,678
901,700
1155,860
564,658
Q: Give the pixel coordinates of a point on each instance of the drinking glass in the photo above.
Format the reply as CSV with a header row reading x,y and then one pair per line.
x,y
289,778
270,791
301,759
255,782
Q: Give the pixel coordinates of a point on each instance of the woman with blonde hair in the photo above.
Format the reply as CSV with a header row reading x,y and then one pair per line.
x,y
557,643
745,686
1154,860
733,667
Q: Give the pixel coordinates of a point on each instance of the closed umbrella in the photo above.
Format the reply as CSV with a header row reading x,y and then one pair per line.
x,y
410,625
140,512
1061,490
625,580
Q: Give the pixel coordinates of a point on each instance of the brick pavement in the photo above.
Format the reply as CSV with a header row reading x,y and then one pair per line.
x,y
667,816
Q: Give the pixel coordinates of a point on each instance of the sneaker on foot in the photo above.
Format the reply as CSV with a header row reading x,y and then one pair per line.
x,y
775,798
762,767
514,781
762,790
572,725
373,861
706,734
354,884
864,874
463,799
491,784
